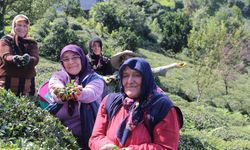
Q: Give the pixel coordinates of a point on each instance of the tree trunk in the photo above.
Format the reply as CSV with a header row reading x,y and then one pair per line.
x,y
2,12
199,91
226,86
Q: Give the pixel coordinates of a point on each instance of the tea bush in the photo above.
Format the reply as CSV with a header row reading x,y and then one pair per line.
x,y
24,125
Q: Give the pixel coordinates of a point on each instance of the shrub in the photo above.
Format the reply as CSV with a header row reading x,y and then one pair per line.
x,y
175,27
229,134
125,39
192,142
57,31
23,125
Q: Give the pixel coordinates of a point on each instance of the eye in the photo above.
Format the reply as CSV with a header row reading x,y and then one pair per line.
x,y
137,74
65,59
125,75
75,58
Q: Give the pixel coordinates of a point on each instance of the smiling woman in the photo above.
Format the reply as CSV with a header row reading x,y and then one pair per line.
x,y
131,82
18,57
139,116
76,92
71,62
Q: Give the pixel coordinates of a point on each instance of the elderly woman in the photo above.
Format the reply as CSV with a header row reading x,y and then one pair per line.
x,y
18,57
139,117
99,63
76,91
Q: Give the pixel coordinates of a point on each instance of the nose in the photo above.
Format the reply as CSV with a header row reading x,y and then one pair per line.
x,y
130,79
71,60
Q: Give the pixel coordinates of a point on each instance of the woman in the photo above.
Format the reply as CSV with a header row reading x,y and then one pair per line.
x,y
76,91
18,57
139,117
99,63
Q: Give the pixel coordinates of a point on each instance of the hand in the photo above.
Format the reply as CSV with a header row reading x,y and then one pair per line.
x,y
17,60
75,92
25,59
60,94
109,147
2,84
109,79
181,65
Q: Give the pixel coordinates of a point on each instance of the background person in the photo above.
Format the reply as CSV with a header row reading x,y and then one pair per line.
x,y
139,117
118,59
99,63
76,91
18,57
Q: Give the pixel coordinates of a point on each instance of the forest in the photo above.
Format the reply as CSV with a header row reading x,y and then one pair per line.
x,y
211,36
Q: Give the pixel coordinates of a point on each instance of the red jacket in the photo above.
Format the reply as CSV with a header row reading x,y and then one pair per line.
x,y
166,133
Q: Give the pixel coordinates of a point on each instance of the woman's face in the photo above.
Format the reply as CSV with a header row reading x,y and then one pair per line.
x,y
131,81
96,48
71,62
21,28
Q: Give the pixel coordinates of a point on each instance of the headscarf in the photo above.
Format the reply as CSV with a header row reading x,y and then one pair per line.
x,y
17,19
99,62
149,99
142,66
85,70
91,44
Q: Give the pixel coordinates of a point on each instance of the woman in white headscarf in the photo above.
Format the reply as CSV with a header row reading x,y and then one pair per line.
x,y
19,55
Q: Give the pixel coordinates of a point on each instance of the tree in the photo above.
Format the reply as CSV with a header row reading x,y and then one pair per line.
x,y
215,44
3,7
34,9
175,27
205,41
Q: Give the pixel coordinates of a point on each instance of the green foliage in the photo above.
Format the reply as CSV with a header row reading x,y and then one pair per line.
x,y
125,39
220,120
175,27
74,9
188,141
229,134
212,6
169,3
24,125
120,15
105,13
45,69
56,33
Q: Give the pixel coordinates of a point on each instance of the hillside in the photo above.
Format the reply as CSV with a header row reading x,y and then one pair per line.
x,y
209,123
212,37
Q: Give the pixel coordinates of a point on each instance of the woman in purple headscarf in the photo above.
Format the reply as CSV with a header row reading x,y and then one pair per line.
x,y
76,91
139,117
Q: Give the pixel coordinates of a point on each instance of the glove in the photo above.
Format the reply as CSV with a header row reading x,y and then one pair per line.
x,y
17,60
25,59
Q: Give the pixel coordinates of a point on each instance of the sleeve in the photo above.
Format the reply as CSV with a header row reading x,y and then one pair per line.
x,y
98,137
34,54
109,68
92,91
5,51
53,84
162,70
166,134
